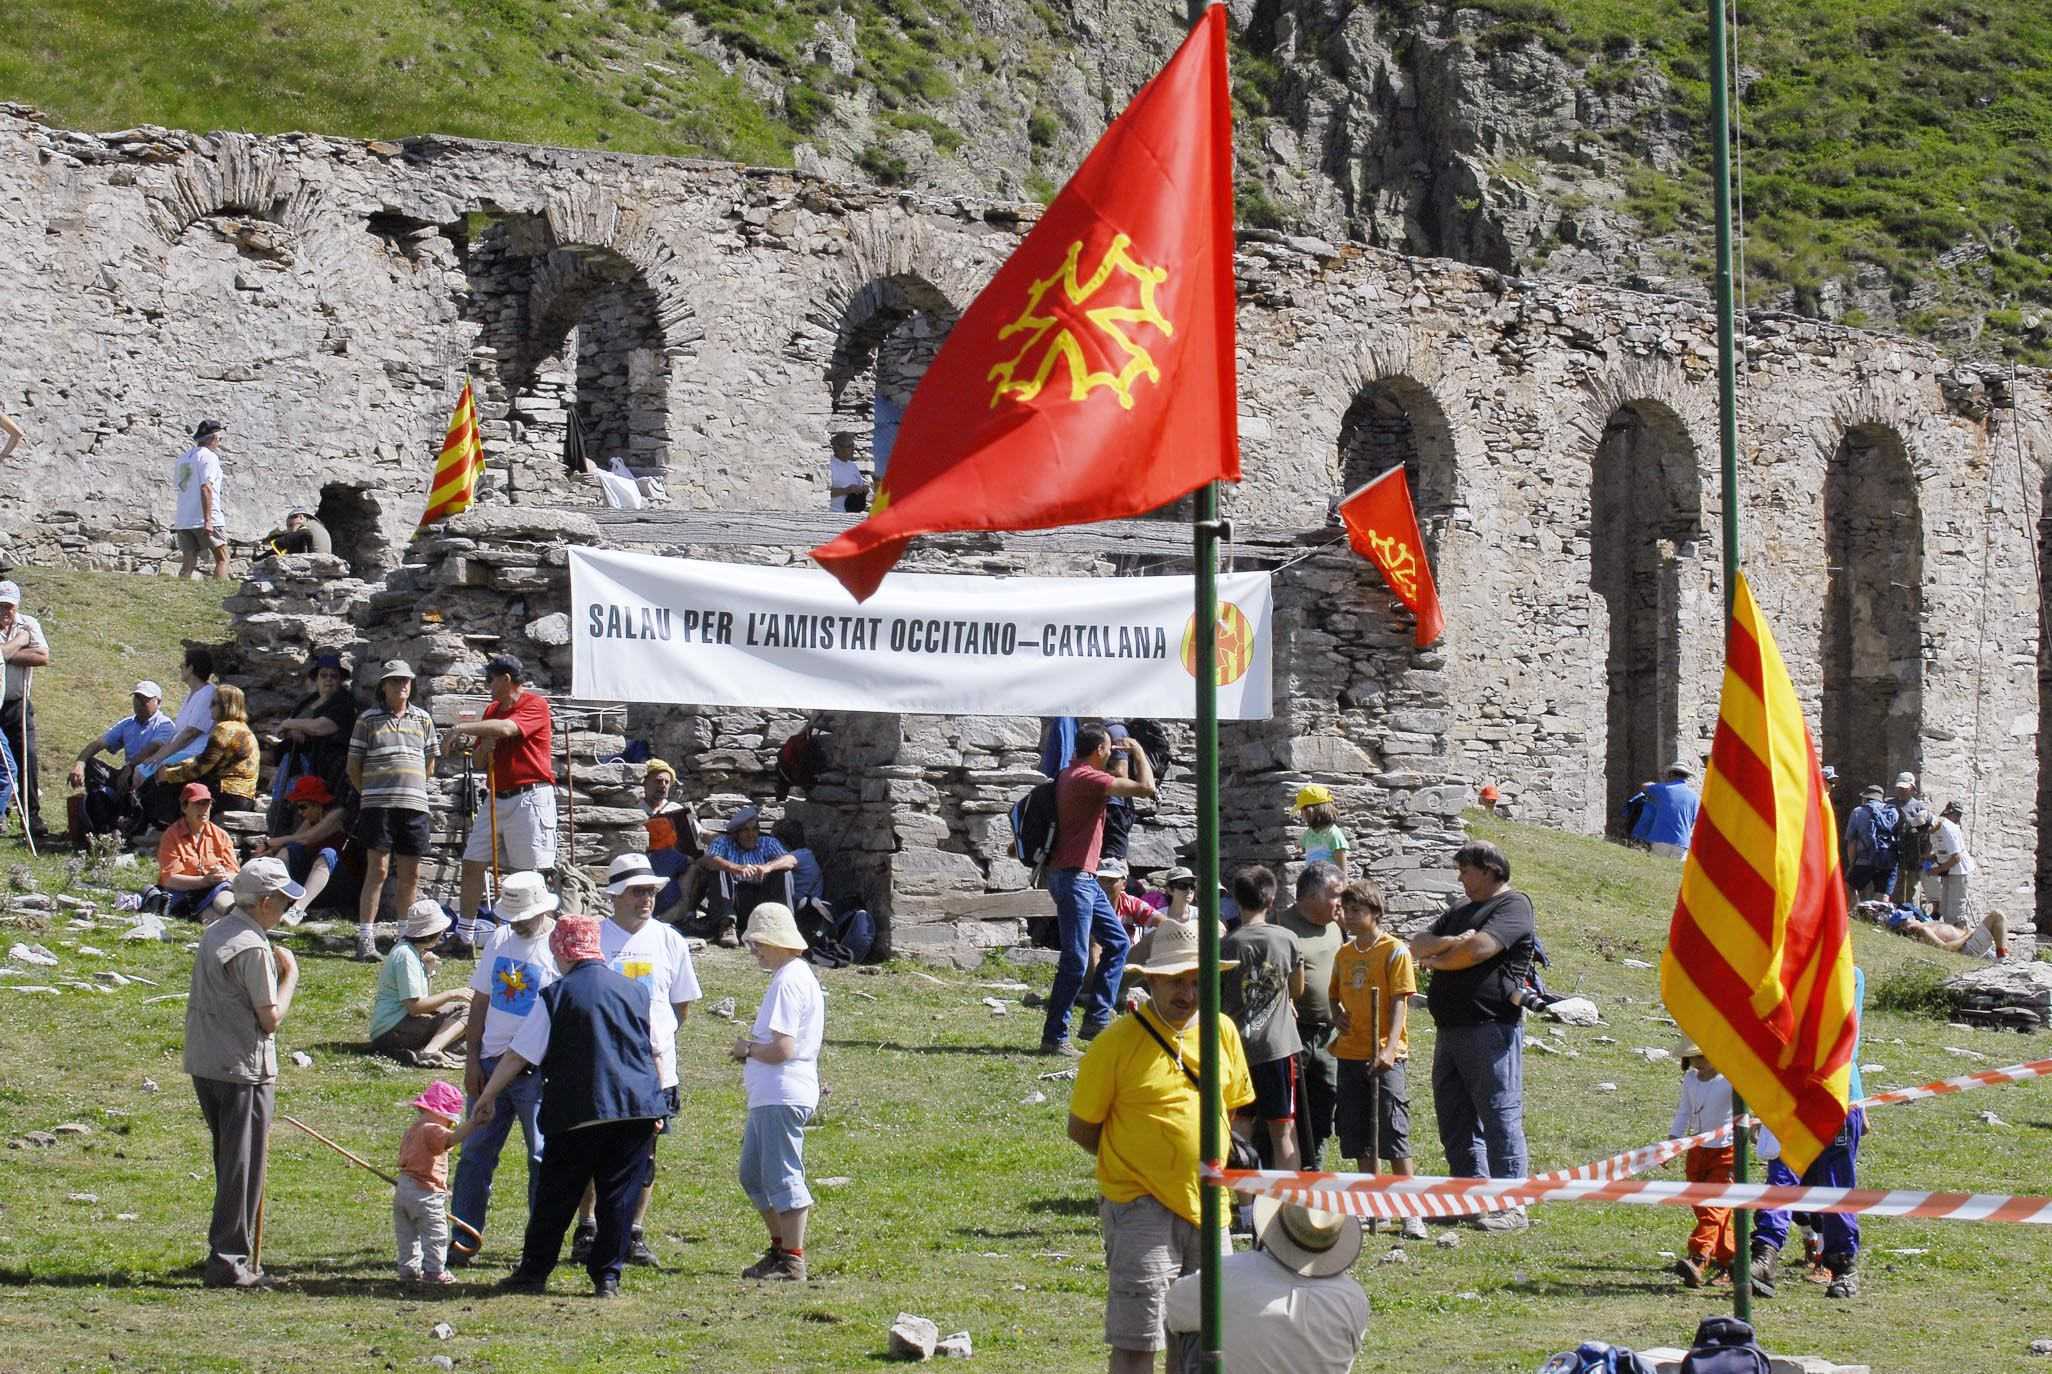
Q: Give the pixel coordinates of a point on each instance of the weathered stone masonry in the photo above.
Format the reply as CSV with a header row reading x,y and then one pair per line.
x,y
324,296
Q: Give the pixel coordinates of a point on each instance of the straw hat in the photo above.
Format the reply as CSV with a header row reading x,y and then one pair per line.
x,y
1310,1244
1174,949
772,924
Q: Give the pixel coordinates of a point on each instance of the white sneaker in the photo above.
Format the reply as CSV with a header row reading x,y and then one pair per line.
x,y
1414,1228
366,946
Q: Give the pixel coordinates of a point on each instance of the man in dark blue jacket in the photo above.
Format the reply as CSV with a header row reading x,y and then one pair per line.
x,y
600,1101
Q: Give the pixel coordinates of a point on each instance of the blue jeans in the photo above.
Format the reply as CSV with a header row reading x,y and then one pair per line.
x,y
472,1193
1478,1087
191,906
1084,914
1836,1167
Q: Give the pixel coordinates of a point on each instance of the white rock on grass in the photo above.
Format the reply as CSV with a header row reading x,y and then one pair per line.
x,y
724,1009
1033,1099
1652,1054
441,1331
301,1059
23,953
913,1337
956,1347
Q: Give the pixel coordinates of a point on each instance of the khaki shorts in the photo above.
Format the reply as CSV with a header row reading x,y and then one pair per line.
x,y
414,1032
527,832
1146,1248
199,541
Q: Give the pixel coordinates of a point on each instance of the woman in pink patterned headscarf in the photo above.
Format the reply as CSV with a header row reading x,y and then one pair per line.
x,y
600,1102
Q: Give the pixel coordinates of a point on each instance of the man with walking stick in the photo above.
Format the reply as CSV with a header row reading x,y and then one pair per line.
x,y
25,650
517,742
1373,979
242,988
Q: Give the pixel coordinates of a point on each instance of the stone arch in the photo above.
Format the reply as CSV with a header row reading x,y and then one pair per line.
x,y
1397,398
594,353
886,310
353,515
1873,607
241,175
1645,527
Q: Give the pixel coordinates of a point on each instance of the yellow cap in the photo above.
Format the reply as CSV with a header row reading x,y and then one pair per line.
x,y
658,766
1314,794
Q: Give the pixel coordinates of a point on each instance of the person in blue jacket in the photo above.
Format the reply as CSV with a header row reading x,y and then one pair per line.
x,y
1668,814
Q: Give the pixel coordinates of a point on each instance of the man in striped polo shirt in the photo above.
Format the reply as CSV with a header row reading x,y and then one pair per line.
x,y
391,754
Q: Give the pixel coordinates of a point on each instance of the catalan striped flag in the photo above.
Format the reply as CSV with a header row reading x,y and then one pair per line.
x,y
460,463
1759,966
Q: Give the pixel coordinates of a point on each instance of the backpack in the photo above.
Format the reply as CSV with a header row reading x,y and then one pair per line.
x,y
1595,1357
1033,827
1874,826
1725,1345
1154,739
800,759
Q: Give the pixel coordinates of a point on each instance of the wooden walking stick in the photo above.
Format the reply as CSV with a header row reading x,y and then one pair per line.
x,y
1375,1083
492,805
362,1163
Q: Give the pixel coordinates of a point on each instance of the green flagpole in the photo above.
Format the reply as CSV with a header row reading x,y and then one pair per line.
x,y
1207,531
1727,449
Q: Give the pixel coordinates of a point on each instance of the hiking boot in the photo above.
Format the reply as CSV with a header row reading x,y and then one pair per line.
x,y
1414,1228
518,1282
761,1268
1764,1258
1844,1282
788,1268
459,1259
581,1242
638,1251
1510,1219
728,937
1060,1047
1691,1270
366,946
1091,1030
605,1288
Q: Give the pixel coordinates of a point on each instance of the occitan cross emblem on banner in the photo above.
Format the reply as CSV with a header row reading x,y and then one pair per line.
x,y
1050,329
1398,563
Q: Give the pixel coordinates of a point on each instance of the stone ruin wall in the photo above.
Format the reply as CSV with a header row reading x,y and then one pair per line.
x,y
1562,438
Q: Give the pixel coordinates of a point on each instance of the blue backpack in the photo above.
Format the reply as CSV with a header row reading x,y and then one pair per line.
x,y
1033,827
1874,826
1594,1357
1725,1345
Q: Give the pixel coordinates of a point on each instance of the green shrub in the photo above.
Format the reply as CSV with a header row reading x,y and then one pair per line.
x,y
1917,987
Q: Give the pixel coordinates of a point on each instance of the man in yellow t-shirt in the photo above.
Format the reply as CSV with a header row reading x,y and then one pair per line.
x,y
1135,1109
1373,960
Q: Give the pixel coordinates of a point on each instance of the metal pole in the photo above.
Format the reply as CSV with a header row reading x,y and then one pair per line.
x,y
1208,531
1727,448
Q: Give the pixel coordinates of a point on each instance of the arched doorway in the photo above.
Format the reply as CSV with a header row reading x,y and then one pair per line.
x,y
593,356
889,335
1873,610
1645,519
1397,422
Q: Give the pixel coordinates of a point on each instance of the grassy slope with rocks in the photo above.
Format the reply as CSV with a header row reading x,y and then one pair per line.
x,y
962,1201
1896,168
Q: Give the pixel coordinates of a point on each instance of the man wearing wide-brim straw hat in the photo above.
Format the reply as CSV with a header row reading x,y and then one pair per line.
x,y
1290,1306
1135,1108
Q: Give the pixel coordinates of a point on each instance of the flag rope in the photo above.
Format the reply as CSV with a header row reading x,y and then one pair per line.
x,y
1622,1165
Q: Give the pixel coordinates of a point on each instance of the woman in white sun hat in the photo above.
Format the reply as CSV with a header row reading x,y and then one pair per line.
x,y
409,1022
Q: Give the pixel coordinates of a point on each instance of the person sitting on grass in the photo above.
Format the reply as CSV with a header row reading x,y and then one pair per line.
x,y
779,1058
420,1207
808,880
319,853
110,793
195,859
1373,1093
1705,1105
409,1022
229,762
1135,914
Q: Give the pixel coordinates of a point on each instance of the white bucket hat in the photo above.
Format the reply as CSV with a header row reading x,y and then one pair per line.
x,y
771,923
631,870
1308,1243
525,895
424,918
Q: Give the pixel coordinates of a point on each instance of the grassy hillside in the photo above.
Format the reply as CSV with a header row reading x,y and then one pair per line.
x,y
957,1196
1891,147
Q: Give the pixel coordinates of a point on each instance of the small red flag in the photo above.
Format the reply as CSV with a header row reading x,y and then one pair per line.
x,y
1093,378
1382,527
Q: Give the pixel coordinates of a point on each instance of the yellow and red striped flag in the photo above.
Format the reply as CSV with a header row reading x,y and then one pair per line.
x,y
460,463
1759,965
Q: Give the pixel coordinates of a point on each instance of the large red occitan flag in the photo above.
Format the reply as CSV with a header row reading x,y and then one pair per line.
x,y
1759,964
1093,378
1382,526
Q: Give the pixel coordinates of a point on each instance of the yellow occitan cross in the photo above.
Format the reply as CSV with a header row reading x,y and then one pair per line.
x,y
1049,342
1397,562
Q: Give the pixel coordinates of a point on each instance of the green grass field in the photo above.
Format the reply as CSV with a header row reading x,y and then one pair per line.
x,y
962,1201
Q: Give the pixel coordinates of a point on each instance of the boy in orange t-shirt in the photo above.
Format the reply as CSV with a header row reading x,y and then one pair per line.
x,y
1372,960
420,1209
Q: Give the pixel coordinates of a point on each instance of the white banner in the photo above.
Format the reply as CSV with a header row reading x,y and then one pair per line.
x,y
722,634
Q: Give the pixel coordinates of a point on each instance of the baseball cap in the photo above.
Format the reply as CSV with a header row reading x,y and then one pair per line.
x,y
147,688
10,594
1905,779
195,791
1111,868
261,877
506,663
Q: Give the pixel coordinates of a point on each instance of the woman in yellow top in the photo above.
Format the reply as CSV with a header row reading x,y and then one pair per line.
x,y
229,763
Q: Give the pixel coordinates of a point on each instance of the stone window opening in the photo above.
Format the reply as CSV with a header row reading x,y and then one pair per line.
x,y
594,352
353,519
1873,644
891,332
1645,527
1395,422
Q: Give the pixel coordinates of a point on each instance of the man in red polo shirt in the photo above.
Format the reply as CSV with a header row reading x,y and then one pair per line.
x,y
516,743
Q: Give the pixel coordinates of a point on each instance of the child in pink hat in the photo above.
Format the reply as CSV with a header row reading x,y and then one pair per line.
x,y
420,1209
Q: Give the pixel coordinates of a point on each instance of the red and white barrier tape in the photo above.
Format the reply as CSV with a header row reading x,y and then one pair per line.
x,y
1383,1195
1388,1196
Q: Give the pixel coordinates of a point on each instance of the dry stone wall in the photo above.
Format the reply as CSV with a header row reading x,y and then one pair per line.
x,y
325,297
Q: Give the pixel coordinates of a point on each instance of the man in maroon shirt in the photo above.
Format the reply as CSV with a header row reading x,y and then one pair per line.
x,y
1082,911
516,744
